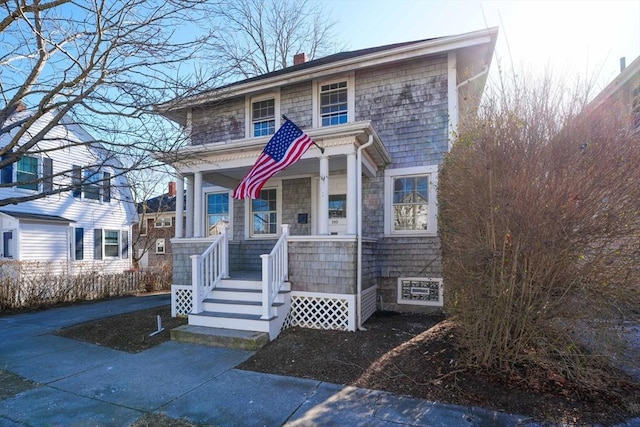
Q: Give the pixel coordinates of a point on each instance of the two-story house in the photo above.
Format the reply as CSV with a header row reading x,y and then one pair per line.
x,y
344,230
153,233
85,229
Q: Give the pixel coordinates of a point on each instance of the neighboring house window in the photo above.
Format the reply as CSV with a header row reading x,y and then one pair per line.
x,y
143,227
264,213
164,222
91,186
334,101
160,248
79,244
27,173
263,117
7,244
110,244
217,212
410,201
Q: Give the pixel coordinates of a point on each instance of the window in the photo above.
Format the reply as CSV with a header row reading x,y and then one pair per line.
x,y
164,222
217,212
110,244
27,173
333,103
79,244
91,185
7,244
410,201
337,206
264,213
143,227
263,117
160,248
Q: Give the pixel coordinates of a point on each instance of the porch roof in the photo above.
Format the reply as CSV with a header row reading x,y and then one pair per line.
x,y
233,158
34,217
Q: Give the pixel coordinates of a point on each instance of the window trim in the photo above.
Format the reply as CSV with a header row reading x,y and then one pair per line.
x,y
99,248
249,100
432,207
351,98
248,224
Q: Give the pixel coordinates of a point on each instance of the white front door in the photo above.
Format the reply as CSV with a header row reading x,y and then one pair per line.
x,y
337,204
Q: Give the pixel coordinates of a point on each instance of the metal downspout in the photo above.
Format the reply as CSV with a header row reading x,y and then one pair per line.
x,y
359,235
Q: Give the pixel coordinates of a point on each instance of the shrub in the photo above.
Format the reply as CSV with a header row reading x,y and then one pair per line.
x,y
540,227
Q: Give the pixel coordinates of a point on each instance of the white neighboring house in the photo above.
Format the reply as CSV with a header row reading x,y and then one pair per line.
x,y
87,228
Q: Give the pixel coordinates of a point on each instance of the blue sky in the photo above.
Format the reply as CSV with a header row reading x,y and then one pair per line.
x,y
574,38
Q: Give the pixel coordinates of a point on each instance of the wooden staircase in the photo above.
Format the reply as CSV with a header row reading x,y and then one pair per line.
x,y
232,316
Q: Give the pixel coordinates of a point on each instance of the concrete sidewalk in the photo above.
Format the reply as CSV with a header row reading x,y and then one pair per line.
x,y
79,384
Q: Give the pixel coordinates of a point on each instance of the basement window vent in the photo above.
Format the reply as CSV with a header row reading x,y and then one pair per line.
x,y
420,291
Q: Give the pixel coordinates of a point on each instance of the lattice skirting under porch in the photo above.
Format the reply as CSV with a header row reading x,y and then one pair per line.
x,y
328,311
181,300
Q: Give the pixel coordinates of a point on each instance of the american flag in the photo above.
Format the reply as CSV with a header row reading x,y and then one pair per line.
x,y
284,148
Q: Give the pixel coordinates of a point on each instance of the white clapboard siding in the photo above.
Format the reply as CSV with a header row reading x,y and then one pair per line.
x,y
43,241
50,241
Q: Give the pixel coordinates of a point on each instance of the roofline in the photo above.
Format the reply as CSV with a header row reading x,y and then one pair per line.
x,y
620,80
403,51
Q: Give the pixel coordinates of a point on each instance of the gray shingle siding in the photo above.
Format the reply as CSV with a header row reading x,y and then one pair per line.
x,y
295,103
296,195
219,123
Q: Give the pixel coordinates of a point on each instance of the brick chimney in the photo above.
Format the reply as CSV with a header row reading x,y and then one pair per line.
x,y
172,189
299,58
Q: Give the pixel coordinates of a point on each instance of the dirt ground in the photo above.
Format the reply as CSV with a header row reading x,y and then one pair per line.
x,y
409,354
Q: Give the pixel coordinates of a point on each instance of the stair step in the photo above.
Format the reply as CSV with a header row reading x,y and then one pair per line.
x,y
220,337
238,302
222,315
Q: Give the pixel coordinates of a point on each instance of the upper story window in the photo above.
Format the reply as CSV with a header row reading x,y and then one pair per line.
x,y
164,222
96,184
262,112
263,117
334,101
410,201
27,173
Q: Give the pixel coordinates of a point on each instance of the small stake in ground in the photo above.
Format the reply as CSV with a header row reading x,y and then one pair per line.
x,y
160,328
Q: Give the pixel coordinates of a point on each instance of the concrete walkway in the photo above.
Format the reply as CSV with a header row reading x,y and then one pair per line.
x,y
78,384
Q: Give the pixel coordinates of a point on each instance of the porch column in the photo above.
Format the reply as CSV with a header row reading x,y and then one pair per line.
x,y
352,189
189,226
179,206
197,205
323,203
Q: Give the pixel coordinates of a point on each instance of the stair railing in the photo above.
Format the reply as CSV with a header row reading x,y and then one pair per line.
x,y
208,269
275,271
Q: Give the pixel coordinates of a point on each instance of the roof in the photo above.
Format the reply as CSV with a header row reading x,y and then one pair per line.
x,y
37,217
617,83
159,204
337,63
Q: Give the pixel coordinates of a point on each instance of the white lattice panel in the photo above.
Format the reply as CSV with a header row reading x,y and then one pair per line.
x,y
181,300
368,302
322,311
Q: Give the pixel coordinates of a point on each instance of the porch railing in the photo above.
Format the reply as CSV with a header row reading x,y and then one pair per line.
x,y
275,271
208,269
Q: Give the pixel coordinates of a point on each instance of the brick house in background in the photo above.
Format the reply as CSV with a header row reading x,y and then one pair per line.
x,y
153,233
361,217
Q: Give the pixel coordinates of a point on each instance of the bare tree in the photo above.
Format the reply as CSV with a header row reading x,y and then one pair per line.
x,y
260,36
100,64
